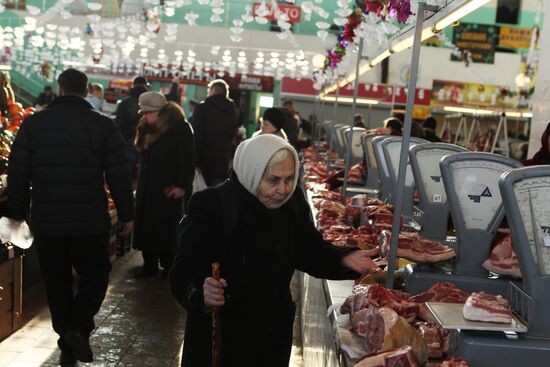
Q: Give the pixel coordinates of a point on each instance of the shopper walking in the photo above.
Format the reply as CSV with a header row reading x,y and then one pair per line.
x,y
95,96
68,152
166,168
273,121
127,118
257,225
44,98
215,124
292,124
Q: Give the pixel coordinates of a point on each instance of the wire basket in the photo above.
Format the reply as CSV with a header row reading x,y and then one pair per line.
x,y
521,303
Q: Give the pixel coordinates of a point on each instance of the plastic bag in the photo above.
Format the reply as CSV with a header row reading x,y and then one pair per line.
x,y
198,182
16,232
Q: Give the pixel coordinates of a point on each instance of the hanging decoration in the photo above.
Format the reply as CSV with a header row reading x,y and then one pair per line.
x,y
347,36
45,70
389,9
89,30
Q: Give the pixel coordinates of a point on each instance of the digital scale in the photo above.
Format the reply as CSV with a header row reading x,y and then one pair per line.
x,y
433,203
384,180
471,185
526,197
391,148
356,146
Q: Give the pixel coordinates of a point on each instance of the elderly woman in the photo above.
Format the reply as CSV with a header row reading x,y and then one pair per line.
x,y
271,235
273,121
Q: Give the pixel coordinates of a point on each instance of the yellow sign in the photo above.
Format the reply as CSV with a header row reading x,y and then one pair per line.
x,y
514,37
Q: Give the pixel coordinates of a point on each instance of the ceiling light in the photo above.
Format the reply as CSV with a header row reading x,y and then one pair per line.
x,y
459,13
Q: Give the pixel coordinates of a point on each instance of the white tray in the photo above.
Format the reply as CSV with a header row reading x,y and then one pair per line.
x,y
449,316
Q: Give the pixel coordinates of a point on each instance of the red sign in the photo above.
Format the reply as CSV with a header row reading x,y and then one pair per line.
x,y
250,82
293,12
380,92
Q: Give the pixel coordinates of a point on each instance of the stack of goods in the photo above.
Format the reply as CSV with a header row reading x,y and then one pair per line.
x,y
390,325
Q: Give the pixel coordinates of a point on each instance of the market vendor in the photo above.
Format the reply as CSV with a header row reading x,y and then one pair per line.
x,y
257,225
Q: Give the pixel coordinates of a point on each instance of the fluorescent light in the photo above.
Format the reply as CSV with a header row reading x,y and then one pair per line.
x,y
5,67
527,114
349,100
363,69
403,45
266,101
513,114
459,13
378,59
71,63
467,110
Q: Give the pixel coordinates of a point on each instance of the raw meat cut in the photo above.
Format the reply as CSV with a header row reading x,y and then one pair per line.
x,y
402,357
439,292
454,362
436,338
376,295
488,308
416,248
503,259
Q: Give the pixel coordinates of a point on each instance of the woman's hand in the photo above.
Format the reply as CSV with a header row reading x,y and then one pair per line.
x,y
360,261
173,192
213,291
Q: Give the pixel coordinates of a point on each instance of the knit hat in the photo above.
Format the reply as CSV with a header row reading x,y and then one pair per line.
x,y
151,102
276,117
252,157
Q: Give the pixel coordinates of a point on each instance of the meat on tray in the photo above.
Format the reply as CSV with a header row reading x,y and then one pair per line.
x,y
503,259
401,357
488,308
416,248
439,292
454,362
376,295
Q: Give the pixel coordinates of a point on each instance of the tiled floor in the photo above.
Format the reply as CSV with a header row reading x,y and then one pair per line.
x,y
139,324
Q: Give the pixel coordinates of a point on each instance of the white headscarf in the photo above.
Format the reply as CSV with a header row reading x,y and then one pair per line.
x,y
252,157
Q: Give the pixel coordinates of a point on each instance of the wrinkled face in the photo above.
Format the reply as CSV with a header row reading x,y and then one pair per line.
x,y
267,127
277,184
151,117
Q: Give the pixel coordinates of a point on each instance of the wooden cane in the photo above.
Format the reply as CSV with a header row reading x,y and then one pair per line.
x,y
216,323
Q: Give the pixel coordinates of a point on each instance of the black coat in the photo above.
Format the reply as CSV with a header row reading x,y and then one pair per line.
x,y
127,115
168,161
431,136
291,128
67,152
215,125
258,261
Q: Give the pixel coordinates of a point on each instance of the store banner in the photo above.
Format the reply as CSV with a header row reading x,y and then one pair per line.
x,y
293,12
459,94
515,37
380,92
166,73
478,39
250,82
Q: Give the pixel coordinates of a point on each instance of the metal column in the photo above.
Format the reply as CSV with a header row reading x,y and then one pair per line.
x,y
396,225
351,120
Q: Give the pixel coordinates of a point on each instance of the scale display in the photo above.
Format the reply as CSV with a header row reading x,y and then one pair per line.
x,y
476,184
394,152
356,147
428,162
533,196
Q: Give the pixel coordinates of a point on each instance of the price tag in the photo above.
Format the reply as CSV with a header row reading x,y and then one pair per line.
x,y
437,198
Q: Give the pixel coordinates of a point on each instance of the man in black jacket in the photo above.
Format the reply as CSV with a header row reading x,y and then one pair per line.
x,y
127,117
66,153
215,125
291,127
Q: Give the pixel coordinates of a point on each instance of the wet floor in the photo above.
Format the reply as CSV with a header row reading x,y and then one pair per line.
x,y
139,324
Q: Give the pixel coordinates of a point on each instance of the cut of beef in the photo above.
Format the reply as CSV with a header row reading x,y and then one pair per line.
x,y
401,357
487,307
439,292
416,248
454,362
503,259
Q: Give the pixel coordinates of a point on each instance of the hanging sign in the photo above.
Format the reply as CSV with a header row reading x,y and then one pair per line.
x,y
250,82
452,93
515,37
293,12
478,39
165,73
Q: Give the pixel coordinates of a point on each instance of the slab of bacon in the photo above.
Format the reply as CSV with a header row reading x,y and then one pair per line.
x,y
488,308
416,248
439,292
503,259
